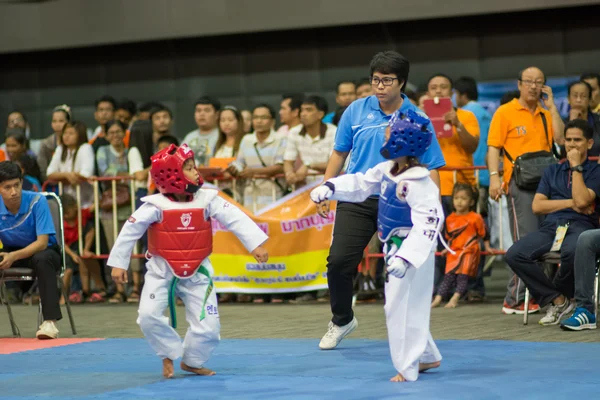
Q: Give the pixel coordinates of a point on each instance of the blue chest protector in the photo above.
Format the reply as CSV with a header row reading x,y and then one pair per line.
x,y
394,214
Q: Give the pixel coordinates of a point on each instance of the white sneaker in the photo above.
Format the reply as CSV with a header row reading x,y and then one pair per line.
x,y
555,313
335,334
48,330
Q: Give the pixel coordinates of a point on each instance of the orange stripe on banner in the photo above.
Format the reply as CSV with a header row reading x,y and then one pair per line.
x,y
17,345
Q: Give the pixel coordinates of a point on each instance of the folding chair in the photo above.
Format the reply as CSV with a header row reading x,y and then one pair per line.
x,y
552,258
26,274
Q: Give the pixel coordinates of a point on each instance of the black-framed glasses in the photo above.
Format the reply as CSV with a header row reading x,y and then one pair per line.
x,y
387,81
530,83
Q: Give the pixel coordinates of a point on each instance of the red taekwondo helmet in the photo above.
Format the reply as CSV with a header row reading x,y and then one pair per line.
x,y
167,171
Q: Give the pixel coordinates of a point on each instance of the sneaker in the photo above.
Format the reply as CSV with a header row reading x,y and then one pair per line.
x,y
48,330
580,320
520,309
335,334
555,313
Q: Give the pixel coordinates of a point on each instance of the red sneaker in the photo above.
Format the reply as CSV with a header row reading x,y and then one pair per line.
x,y
520,309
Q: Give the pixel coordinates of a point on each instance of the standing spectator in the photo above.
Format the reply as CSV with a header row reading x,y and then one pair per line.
x,y
345,94
567,197
162,121
580,94
231,132
60,116
105,111
313,144
29,238
593,79
202,141
125,111
247,115
260,155
73,163
17,119
518,127
289,113
361,133
364,88
143,111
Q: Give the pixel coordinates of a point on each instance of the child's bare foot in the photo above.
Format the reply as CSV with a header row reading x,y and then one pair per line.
x,y
453,303
398,378
425,366
437,300
197,371
167,368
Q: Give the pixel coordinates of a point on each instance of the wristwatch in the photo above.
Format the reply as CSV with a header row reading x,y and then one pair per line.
x,y
578,168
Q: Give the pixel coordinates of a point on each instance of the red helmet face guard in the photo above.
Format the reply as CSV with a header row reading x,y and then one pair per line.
x,y
167,170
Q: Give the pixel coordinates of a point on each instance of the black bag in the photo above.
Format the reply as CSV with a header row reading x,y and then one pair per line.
x,y
286,190
529,167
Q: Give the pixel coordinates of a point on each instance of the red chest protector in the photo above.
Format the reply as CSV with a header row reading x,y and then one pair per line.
x,y
183,238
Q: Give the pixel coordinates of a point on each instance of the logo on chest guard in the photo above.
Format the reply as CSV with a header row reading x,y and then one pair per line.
x,y
186,219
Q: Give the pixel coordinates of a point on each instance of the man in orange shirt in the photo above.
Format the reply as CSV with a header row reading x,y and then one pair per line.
x,y
518,127
457,150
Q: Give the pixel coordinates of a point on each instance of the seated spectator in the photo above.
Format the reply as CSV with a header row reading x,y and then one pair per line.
x,y
73,163
114,160
345,95
247,115
593,79
289,113
260,155
231,132
29,239
17,119
105,111
363,89
125,111
60,116
338,115
143,111
567,196
29,168
203,140
88,269
313,144
586,254
17,148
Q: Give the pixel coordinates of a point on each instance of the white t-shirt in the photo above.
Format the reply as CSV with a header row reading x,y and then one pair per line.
x,y
83,165
203,145
135,163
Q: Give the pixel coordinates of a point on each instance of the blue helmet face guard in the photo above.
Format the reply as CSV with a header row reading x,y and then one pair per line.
x,y
409,136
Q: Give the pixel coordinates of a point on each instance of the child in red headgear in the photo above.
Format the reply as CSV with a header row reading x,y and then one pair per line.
x,y
178,221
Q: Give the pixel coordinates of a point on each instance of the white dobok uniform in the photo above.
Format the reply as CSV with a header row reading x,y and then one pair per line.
x,y
410,209
196,291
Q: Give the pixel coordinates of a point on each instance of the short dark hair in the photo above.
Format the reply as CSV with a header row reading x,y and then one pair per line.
x,y
19,112
338,115
473,194
587,85
391,62
509,96
10,170
588,131
127,105
115,122
296,100
591,75
169,139
207,100
319,102
268,107
467,85
344,82
440,75
159,108
106,99
363,81
523,70
147,107
68,201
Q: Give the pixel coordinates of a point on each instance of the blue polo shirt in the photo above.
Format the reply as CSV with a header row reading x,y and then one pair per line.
x,y
484,119
556,184
32,219
361,131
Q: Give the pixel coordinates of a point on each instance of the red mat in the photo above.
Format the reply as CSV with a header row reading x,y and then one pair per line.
x,y
9,346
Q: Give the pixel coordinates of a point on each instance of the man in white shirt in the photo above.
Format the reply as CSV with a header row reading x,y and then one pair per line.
x,y
313,143
203,140
289,113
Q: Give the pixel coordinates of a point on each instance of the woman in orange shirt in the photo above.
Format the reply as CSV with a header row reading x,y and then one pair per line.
x,y
464,228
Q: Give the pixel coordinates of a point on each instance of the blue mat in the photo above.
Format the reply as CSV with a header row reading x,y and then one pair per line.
x,y
297,369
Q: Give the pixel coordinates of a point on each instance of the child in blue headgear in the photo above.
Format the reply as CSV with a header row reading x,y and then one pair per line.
x,y
409,221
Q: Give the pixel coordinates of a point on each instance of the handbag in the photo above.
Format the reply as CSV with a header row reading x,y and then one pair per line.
x,y
123,197
529,167
285,190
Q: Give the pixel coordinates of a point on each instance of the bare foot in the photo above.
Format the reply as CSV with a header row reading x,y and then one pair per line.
x,y
398,378
167,368
437,300
425,366
453,303
197,371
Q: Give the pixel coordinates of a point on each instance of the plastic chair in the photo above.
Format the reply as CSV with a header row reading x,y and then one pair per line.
x,y
27,274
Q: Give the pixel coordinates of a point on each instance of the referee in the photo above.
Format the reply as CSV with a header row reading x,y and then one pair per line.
x,y
361,133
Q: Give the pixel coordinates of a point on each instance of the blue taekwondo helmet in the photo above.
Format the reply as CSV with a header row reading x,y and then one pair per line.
x,y
409,135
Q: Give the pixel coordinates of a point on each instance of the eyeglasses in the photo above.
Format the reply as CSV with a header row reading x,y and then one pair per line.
x,y
387,81
528,82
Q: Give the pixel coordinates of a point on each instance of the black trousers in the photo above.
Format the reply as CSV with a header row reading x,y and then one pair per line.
x,y
522,257
45,265
355,224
